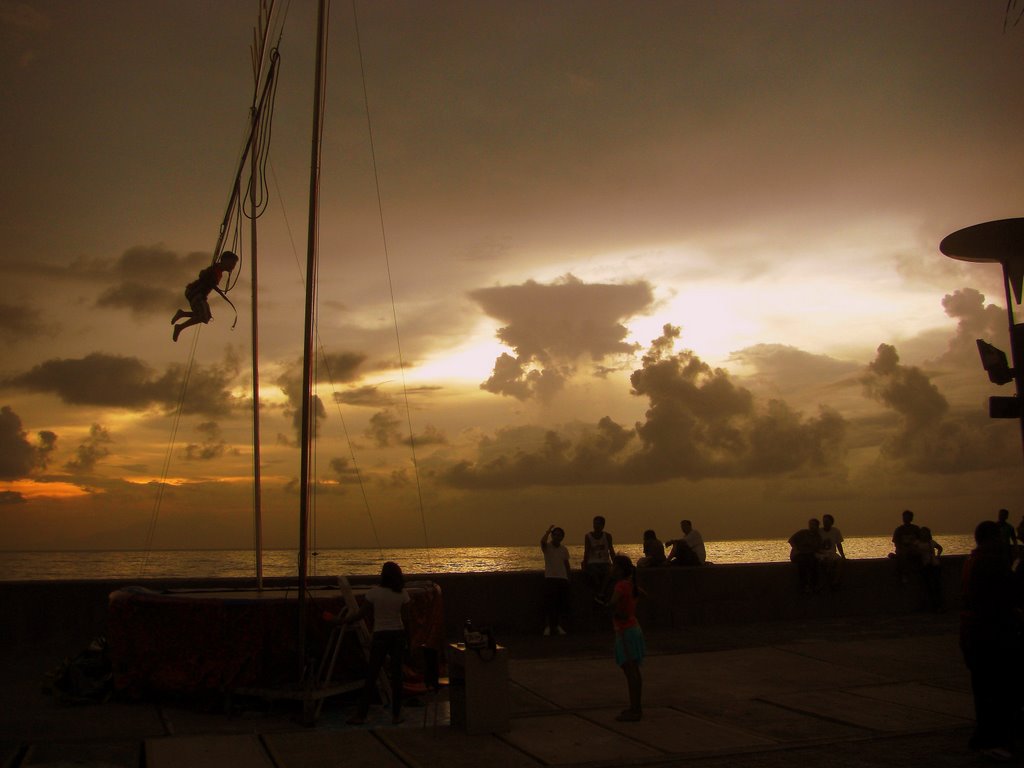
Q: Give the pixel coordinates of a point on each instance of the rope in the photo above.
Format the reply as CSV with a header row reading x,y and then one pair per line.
x,y
162,485
391,286
330,375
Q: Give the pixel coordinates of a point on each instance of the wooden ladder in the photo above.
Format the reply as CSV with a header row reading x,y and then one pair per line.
x,y
334,643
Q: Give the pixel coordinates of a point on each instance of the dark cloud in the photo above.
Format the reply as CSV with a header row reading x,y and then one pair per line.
x,y
551,327
18,457
212,445
700,424
11,497
344,469
127,382
369,395
929,439
140,298
383,429
90,451
334,368
19,322
430,435
788,369
150,280
975,320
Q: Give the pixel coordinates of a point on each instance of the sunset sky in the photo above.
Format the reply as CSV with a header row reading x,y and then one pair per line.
x,y
650,260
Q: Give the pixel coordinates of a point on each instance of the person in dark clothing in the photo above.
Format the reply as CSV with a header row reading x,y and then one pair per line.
x,y
904,544
805,545
198,291
989,632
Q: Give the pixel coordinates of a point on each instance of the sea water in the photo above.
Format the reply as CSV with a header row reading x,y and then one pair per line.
x,y
202,563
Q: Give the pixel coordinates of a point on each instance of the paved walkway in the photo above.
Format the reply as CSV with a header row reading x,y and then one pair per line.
x,y
884,691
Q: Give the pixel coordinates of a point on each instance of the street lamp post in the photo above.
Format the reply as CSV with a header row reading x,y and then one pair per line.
x,y
1000,242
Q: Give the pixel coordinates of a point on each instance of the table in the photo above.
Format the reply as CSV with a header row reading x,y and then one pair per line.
x,y
478,688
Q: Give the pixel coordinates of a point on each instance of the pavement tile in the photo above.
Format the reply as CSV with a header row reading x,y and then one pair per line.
x,y
449,748
672,731
569,739
895,658
772,722
747,673
523,701
874,714
182,721
329,749
955,703
124,754
208,751
42,719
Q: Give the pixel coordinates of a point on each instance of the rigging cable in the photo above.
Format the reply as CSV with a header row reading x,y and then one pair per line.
x,y
330,376
165,470
248,144
391,287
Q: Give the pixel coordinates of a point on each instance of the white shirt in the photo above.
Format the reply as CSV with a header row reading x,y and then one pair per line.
x,y
387,607
696,542
556,561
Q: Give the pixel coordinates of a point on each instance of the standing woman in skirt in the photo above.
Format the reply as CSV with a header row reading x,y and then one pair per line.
x,y
629,638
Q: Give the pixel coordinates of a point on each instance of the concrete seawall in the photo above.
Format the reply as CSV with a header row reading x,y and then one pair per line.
x,y
63,616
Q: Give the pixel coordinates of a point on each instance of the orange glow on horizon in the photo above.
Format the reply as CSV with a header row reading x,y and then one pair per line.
x,y
30,489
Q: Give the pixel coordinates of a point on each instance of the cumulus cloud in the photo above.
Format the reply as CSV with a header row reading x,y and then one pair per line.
x,y
19,458
930,439
975,320
19,322
149,279
430,435
383,429
90,451
551,327
344,470
699,424
333,367
116,381
211,446
369,395
789,369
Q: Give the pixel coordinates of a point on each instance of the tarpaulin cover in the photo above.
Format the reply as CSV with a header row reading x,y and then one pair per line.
x,y
188,642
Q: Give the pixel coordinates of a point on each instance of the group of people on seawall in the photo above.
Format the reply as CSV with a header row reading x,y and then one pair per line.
x,y
599,557
991,626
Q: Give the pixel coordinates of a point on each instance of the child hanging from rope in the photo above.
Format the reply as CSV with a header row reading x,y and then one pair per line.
x,y
199,289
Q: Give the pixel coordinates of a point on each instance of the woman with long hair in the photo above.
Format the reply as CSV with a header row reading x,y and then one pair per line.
x,y
387,600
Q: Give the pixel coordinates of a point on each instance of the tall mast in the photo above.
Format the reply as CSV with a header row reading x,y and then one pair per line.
x,y
260,43
257,491
310,323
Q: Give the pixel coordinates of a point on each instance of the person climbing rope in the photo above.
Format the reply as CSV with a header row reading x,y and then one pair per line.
x,y
199,289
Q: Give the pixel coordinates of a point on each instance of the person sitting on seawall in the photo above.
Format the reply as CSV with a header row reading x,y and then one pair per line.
x,y
688,550
556,580
831,556
388,601
904,543
805,545
654,551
